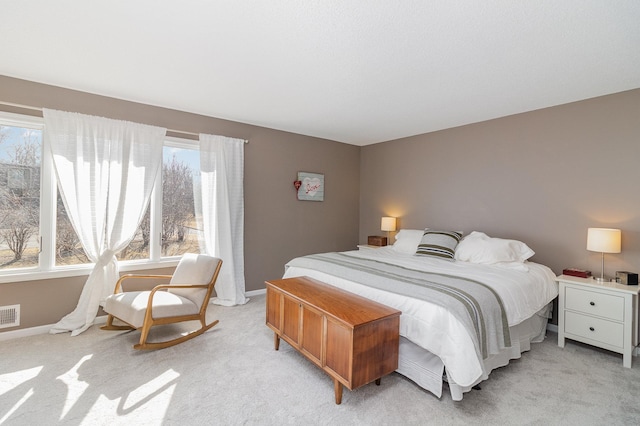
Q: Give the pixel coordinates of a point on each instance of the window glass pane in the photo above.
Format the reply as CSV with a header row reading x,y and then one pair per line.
x,y
180,231
20,154
69,251
138,248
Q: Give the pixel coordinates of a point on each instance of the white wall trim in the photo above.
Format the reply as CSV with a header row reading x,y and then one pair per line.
x,y
256,292
41,329
24,332
44,329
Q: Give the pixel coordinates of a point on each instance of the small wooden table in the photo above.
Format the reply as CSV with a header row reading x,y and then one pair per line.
x,y
353,339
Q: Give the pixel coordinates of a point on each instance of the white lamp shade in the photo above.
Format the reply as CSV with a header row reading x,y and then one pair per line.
x,y
388,224
604,240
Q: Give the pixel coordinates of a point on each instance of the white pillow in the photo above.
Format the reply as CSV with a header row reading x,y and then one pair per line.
x,y
478,247
407,240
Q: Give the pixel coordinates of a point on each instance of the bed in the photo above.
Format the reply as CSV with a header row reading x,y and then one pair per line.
x,y
469,305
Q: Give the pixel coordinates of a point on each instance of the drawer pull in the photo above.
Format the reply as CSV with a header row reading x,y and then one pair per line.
x,y
592,329
592,303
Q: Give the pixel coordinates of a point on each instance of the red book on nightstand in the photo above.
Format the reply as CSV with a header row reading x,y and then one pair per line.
x,y
574,272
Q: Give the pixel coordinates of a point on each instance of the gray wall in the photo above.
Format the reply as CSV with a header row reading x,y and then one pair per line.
x,y
277,226
542,177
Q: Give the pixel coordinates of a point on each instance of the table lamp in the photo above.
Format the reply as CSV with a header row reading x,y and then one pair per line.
x,y
388,224
603,240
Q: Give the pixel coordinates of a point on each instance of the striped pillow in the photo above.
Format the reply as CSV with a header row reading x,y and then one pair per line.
x,y
440,244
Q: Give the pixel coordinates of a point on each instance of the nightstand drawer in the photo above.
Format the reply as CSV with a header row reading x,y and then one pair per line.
x,y
597,329
594,303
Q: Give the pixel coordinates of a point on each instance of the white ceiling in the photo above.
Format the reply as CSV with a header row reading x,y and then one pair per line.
x,y
358,72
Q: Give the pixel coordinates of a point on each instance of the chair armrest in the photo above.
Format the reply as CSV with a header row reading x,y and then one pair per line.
x,y
166,286
163,286
118,287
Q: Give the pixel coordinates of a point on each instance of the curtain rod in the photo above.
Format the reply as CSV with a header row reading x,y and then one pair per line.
x,y
32,108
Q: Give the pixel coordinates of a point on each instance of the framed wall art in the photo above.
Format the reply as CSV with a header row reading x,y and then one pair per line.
x,y
310,186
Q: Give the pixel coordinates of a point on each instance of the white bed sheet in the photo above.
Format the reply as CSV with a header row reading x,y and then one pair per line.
x,y
432,327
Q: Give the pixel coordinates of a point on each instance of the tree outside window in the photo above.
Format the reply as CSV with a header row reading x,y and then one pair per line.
x,y
20,153
179,229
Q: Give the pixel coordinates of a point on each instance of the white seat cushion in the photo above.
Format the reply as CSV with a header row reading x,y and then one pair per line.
x,y
131,306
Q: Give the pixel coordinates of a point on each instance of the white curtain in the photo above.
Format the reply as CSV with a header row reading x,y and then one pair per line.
x,y
106,170
222,210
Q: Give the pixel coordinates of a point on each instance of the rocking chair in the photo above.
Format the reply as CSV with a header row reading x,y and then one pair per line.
x,y
185,298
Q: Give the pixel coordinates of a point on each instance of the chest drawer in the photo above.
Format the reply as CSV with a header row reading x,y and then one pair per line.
x,y
600,330
594,303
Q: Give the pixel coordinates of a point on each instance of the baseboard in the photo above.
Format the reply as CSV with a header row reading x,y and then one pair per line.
x,y
44,329
255,292
25,332
41,329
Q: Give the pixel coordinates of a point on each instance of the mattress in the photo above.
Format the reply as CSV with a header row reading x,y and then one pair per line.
x,y
427,369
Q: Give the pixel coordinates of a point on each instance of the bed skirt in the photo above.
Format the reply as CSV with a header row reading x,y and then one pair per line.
x,y
428,371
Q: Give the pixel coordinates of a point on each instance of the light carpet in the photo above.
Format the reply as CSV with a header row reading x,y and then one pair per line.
x,y
231,375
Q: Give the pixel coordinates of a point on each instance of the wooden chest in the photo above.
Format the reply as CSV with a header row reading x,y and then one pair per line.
x,y
353,339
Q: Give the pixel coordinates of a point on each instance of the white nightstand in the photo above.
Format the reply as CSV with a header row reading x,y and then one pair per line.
x,y
599,314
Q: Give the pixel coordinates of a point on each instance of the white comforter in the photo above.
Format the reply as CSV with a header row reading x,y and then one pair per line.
x,y
431,326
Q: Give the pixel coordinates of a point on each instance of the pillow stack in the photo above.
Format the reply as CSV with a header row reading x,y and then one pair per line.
x,y
477,247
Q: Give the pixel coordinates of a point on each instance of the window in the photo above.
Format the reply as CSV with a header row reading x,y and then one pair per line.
x,y
180,176
179,231
31,241
20,153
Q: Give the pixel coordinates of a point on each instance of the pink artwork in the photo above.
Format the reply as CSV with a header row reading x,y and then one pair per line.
x,y
310,186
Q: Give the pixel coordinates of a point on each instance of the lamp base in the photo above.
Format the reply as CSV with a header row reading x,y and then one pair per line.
x,y
601,279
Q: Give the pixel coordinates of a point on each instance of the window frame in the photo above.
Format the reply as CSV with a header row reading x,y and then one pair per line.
x,y
47,268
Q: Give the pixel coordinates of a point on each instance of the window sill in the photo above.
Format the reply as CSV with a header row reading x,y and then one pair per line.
x,y
76,271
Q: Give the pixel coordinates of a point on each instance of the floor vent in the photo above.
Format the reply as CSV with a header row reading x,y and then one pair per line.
x,y
9,316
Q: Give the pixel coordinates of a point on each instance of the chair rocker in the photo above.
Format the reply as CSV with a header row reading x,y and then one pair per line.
x,y
185,298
